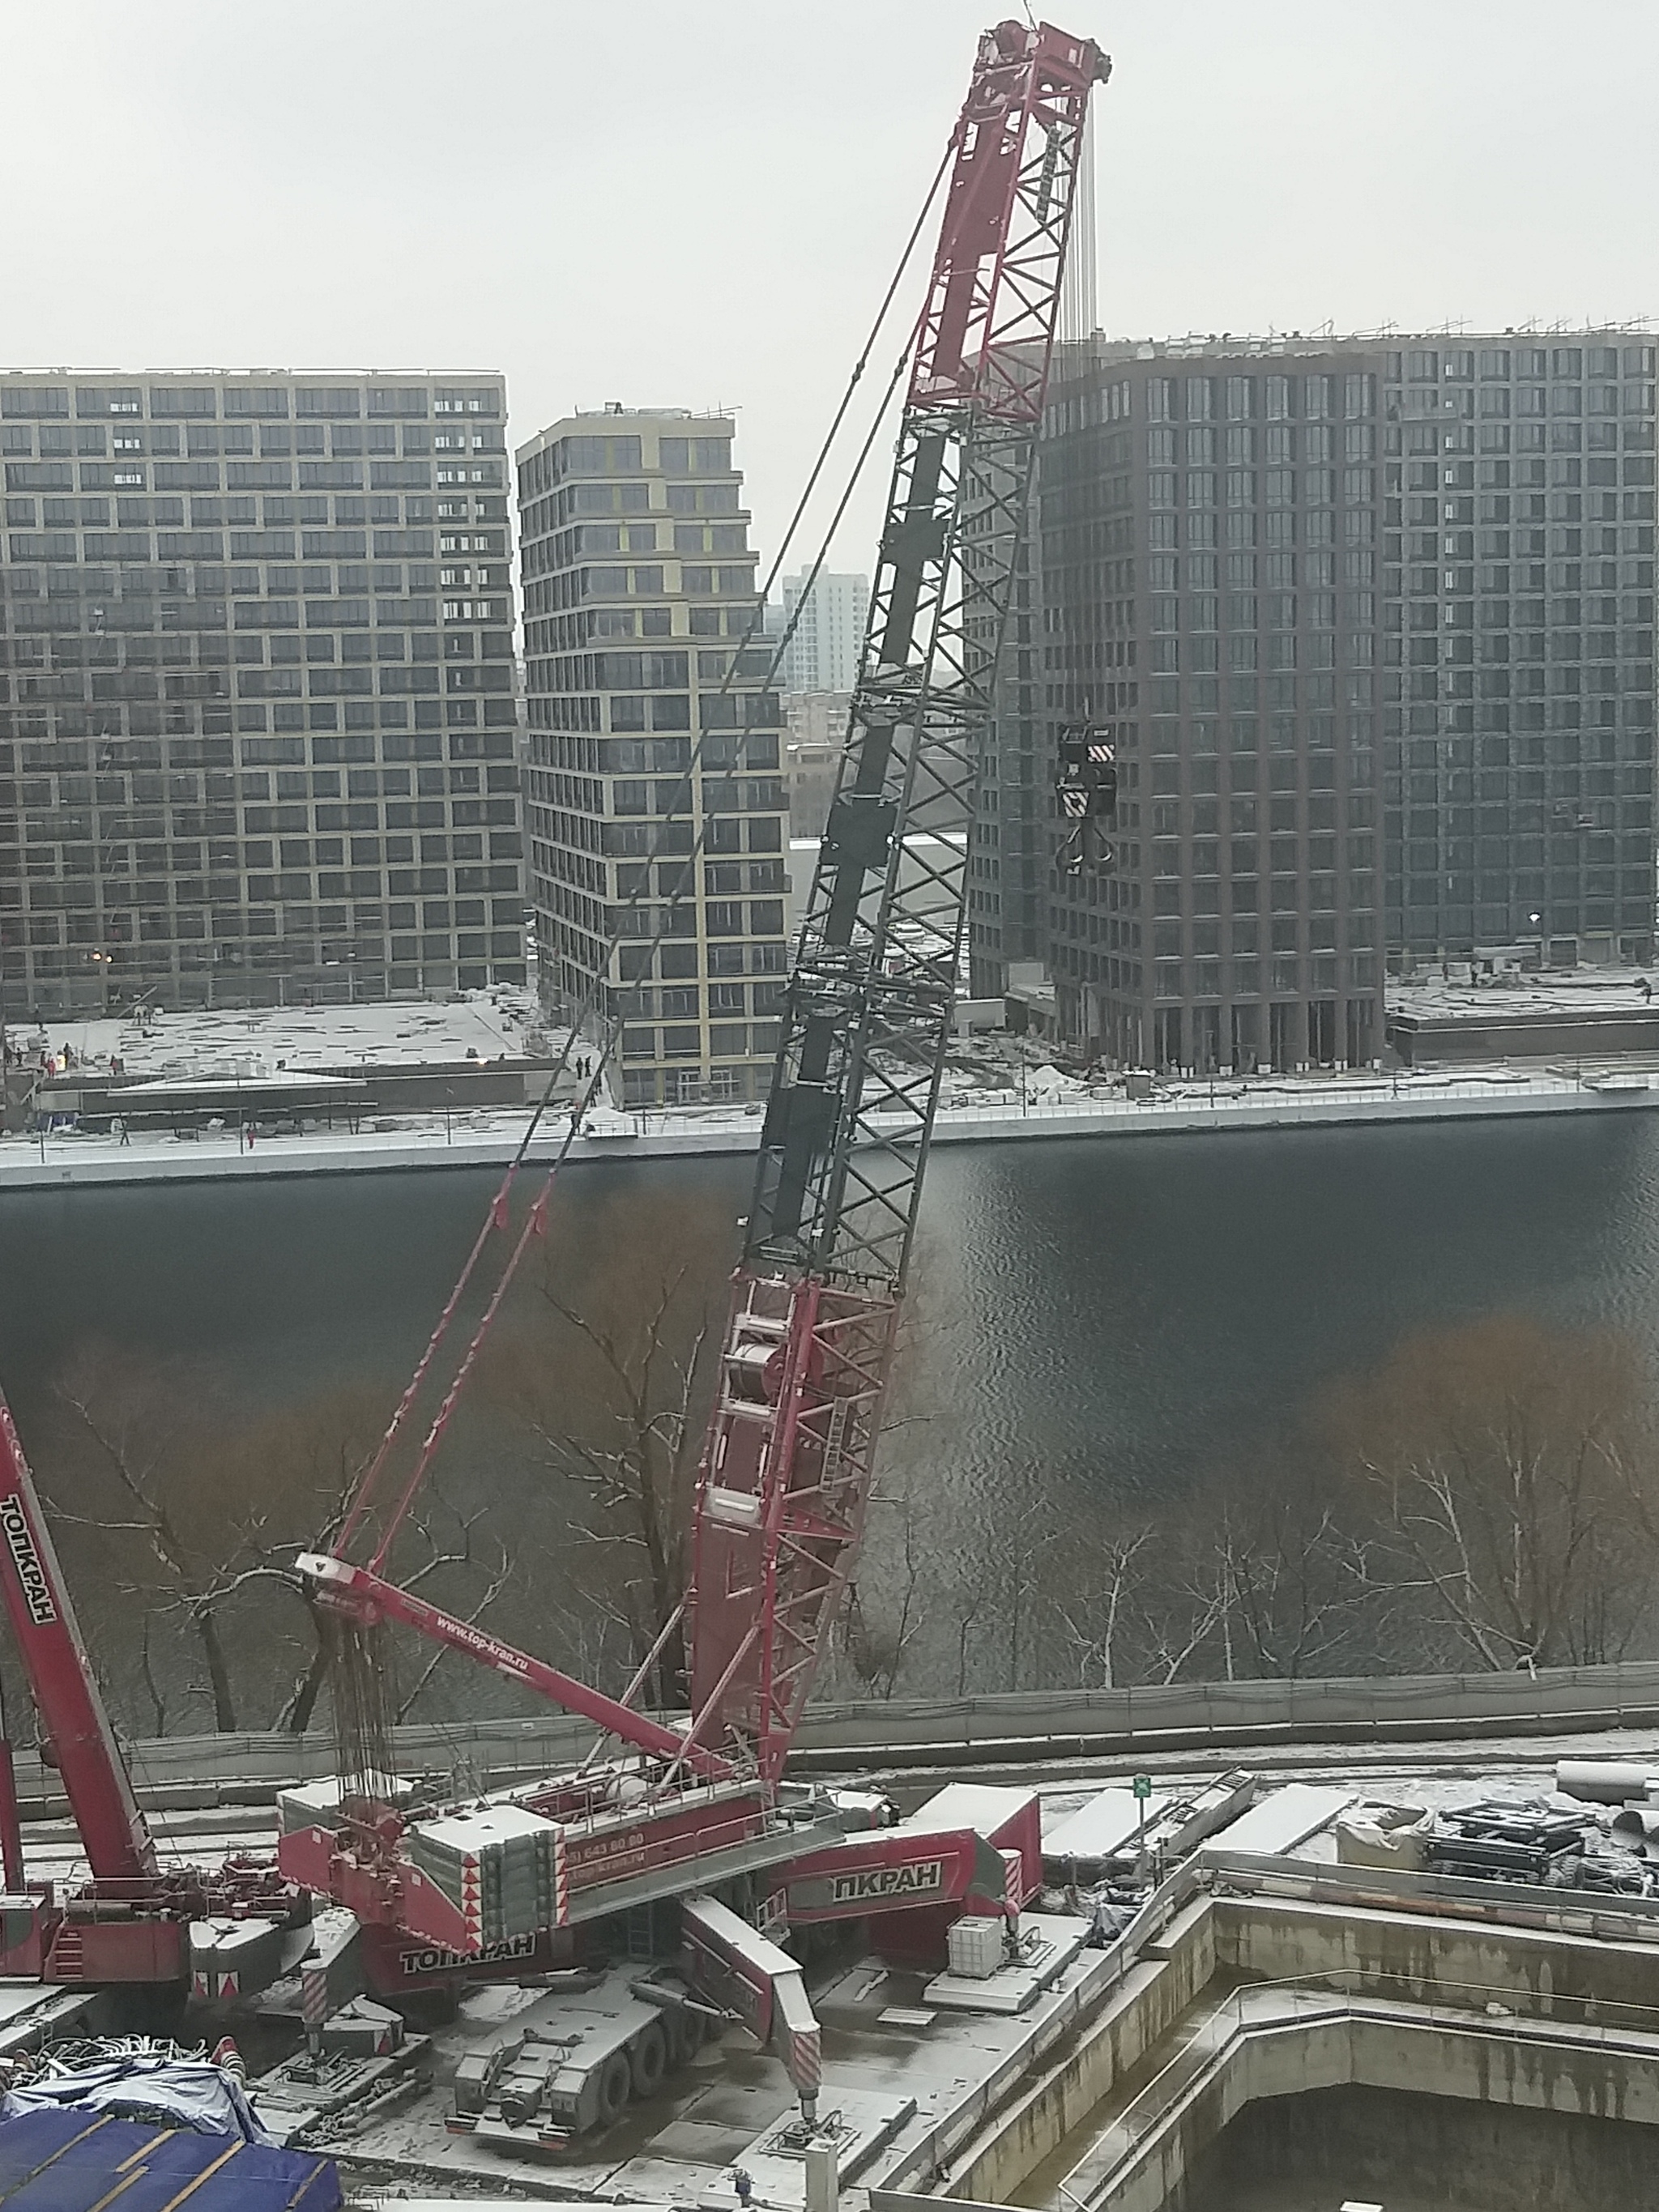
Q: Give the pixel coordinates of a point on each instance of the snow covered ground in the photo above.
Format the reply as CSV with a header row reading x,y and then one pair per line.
x,y
258,1040
1540,991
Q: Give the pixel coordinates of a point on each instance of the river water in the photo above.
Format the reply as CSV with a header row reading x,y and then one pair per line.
x,y
1099,1323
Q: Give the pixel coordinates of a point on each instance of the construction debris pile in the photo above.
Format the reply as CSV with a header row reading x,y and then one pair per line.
x,y
151,2079
1597,1830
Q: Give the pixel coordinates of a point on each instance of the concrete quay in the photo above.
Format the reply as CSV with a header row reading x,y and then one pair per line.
x,y
68,1159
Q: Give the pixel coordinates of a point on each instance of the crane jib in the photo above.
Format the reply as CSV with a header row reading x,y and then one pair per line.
x,y
866,1013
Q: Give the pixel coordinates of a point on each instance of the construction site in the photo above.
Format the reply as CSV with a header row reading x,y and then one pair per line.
x,y
684,1945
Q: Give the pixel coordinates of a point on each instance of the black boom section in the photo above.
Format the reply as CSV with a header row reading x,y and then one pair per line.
x,y
868,1005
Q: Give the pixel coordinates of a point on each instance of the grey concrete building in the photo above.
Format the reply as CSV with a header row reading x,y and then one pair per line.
x,y
1209,530
1008,870
658,889
1517,600
257,716
1372,621
814,740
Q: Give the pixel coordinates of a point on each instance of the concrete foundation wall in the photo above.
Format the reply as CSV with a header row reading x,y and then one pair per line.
x,y
1434,1959
1575,2032
1138,2015
1418,2154
1422,2063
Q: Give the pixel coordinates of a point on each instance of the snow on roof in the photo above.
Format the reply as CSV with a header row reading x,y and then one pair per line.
x,y
504,1021
297,1078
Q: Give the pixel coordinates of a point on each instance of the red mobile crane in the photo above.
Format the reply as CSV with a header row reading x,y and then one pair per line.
x,y
786,1466
130,1925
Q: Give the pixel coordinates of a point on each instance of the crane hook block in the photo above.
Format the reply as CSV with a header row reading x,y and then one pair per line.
x,y
1086,784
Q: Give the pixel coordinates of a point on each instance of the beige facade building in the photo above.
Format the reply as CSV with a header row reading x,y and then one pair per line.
x,y
816,739
656,796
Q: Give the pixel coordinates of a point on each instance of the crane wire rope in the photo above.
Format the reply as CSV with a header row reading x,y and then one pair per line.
x,y
535,1219
497,1215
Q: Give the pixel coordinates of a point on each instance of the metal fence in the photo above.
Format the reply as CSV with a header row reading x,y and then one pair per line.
x,y
1172,1715
1028,1726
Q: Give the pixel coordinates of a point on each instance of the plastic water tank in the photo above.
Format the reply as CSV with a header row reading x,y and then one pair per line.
x,y
975,1945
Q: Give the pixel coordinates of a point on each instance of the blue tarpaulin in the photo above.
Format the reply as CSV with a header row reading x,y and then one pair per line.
x,y
75,2159
148,2085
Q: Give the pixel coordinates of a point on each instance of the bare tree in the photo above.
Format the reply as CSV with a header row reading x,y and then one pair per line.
x,y
1512,1472
1092,1600
152,1441
220,1507
607,1365
1270,1561
877,1652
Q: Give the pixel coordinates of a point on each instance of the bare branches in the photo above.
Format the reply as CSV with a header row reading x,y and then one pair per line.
x,y
610,1385
1512,1472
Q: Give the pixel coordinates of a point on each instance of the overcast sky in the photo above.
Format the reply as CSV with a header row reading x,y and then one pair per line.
x,y
697,201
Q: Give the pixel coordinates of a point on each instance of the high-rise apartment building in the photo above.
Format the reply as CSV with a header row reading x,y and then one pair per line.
x,y
658,885
1372,622
1517,648
1210,532
257,717
1008,899
829,615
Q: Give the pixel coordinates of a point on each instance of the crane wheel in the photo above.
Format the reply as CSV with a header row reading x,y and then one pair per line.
x,y
615,2085
684,2034
648,2059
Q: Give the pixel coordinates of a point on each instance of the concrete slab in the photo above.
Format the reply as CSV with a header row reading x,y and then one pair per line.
x,y
855,2124
1048,1943
1108,1824
1284,1818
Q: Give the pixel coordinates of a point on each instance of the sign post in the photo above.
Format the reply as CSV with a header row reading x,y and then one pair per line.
x,y
1143,1789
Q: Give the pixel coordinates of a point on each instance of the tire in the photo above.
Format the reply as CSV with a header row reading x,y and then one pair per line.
x,y
684,2034
647,2059
424,2009
615,2086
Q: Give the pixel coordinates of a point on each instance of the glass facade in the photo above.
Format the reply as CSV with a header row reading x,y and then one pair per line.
x,y
1517,603
258,724
1372,623
1008,866
658,890
1209,536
